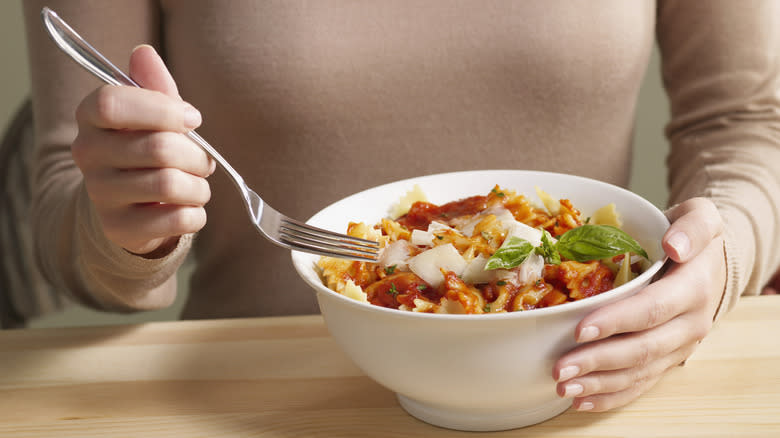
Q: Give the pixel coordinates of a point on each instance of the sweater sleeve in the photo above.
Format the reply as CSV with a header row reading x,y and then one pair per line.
x,y
71,248
721,69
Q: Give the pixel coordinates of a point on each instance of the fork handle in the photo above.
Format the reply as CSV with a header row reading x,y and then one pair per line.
x,y
93,61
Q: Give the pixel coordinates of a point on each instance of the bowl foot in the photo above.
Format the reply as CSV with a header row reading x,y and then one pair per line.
x,y
476,421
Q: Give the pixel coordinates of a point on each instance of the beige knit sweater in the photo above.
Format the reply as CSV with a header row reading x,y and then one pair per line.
x,y
314,100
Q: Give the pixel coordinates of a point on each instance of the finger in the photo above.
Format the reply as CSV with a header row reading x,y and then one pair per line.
x,y
630,350
156,248
150,72
114,188
111,107
98,148
605,402
654,305
135,226
695,223
619,380
683,288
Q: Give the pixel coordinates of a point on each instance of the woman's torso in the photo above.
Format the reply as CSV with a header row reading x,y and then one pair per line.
x,y
312,101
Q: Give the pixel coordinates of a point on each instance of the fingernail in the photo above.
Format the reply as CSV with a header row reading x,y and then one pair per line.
x,y
588,334
680,243
585,406
192,117
143,45
572,390
568,372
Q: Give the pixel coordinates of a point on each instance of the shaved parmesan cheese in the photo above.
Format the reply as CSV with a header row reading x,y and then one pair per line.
x,y
526,232
467,225
396,253
607,215
624,274
406,202
428,264
507,275
531,269
475,272
505,217
553,207
425,238
512,226
421,238
355,292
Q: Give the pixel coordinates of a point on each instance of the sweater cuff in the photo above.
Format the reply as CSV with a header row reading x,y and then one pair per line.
x,y
739,252
730,292
115,279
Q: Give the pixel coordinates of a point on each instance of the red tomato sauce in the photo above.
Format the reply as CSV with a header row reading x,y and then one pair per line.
x,y
423,213
400,288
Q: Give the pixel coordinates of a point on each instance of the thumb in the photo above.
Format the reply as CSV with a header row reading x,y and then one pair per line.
x,y
150,72
695,223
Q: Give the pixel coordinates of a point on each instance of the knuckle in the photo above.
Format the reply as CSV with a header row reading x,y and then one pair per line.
x,y
200,219
80,151
188,220
81,112
701,329
157,147
656,312
645,353
588,363
639,377
107,105
97,193
98,189
180,222
172,114
112,225
709,214
687,351
167,183
699,294
593,385
697,202
637,388
205,191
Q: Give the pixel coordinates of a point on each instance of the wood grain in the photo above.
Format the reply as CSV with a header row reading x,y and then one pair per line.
x,y
285,377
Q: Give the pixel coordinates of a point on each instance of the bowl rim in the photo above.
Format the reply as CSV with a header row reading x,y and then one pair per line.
x,y
300,260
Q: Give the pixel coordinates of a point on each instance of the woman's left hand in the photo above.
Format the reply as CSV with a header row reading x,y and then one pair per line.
x,y
627,346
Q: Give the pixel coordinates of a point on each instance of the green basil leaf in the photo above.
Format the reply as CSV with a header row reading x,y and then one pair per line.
x,y
593,242
511,253
548,250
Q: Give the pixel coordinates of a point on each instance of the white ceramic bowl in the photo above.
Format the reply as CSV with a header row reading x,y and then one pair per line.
x,y
473,372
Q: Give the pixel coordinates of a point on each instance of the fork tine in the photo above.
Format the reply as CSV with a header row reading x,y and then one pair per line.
x,y
303,243
326,236
324,243
328,243
313,239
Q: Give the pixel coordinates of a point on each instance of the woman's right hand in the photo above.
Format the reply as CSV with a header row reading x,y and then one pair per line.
x,y
146,180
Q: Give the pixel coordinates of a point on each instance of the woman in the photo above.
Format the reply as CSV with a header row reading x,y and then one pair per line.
x,y
312,101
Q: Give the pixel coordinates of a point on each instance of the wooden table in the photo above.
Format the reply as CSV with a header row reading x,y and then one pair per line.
x,y
287,377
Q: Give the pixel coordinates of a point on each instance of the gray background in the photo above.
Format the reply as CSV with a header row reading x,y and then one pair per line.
x,y
648,173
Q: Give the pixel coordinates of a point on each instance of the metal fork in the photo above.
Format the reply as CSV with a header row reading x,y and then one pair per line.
x,y
276,227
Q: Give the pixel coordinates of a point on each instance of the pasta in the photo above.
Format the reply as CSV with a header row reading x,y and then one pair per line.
x,y
489,253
